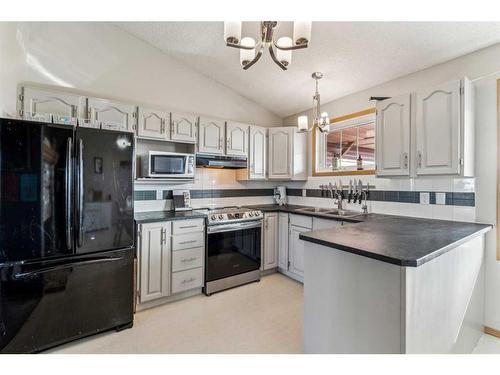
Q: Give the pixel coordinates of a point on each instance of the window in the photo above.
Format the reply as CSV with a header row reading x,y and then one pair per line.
x,y
347,147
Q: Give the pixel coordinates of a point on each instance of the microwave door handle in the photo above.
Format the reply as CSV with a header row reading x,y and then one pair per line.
x,y
68,184
80,192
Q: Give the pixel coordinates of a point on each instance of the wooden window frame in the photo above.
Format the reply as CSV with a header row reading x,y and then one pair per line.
x,y
315,172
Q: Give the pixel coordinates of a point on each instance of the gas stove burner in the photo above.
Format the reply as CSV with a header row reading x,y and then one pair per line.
x,y
233,214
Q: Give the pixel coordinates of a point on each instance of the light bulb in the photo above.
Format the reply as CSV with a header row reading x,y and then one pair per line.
x,y
303,123
232,32
301,32
247,55
284,57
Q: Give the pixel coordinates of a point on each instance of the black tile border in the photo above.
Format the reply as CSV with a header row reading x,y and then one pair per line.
x,y
452,199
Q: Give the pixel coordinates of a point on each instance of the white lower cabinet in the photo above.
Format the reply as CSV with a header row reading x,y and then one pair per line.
x,y
291,247
154,261
283,241
171,258
270,253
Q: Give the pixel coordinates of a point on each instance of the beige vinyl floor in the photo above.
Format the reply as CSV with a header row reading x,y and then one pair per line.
x,y
263,317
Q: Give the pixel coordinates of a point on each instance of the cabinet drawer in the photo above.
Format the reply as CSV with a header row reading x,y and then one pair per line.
x,y
187,241
187,259
185,280
301,220
187,226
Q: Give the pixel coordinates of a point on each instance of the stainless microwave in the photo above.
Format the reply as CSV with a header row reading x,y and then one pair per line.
x,y
173,165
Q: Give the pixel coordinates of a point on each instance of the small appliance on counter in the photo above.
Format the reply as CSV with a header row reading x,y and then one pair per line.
x,y
182,200
280,195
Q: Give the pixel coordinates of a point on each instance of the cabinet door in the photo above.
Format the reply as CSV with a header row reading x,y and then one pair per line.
x,y
393,136
183,127
319,223
283,241
257,153
296,250
111,115
270,258
153,124
42,104
236,139
155,261
437,126
211,136
280,153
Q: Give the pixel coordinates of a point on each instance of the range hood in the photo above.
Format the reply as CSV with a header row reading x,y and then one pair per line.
x,y
221,161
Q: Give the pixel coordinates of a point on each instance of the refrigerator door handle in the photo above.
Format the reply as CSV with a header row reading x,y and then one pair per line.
x,y
68,182
25,275
80,192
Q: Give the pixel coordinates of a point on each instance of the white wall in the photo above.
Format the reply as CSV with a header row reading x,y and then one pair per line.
x,y
102,59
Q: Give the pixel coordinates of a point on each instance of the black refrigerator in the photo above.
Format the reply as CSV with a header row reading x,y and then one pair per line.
x,y
66,233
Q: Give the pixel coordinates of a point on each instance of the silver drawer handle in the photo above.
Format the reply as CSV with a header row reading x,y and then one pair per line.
x,y
189,226
185,281
185,242
188,259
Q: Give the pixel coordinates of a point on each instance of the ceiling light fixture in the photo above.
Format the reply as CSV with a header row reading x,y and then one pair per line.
x,y
250,51
320,119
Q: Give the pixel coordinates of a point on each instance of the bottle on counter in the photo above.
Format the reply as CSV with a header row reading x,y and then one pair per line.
x,y
359,163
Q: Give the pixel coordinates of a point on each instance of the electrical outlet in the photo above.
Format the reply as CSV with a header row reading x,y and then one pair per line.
x,y
304,194
424,198
440,198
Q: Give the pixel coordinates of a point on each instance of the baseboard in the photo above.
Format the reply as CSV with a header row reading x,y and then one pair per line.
x,y
492,331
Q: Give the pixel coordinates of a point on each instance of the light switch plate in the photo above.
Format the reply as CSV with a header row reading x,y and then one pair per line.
x,y
440,198
304,194
424,198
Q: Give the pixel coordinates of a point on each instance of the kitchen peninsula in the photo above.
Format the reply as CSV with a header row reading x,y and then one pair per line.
x,y
394,284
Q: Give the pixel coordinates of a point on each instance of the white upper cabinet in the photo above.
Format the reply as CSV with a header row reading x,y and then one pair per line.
x,y
287,154
438,117
393,136
111,115
183,127
257,153
41,103
211,136
430,132
236,139
153,124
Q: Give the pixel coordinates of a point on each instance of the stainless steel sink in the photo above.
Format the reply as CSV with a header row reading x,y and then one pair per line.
x,y
314,209
331,212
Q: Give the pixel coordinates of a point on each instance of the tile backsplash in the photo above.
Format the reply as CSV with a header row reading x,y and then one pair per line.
x,y
218,187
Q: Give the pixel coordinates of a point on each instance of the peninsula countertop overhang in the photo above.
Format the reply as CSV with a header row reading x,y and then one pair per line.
x,y
400,240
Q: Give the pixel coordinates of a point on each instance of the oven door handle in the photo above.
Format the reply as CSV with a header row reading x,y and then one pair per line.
x,y
233,227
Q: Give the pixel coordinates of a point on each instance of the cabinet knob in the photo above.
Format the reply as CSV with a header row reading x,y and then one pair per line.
x,y
405,159
419,156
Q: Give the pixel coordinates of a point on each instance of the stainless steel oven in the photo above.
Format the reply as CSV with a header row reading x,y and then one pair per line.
x,y
168,165
233,254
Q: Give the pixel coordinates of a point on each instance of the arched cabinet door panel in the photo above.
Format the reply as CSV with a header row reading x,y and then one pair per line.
x,y
236,139
111,115
183,127
153,124
211,137
438,130
393,136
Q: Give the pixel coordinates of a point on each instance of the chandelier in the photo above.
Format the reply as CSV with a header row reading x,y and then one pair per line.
x,y
320,119
251,51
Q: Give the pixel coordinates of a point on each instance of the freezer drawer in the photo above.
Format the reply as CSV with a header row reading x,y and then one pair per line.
x,y
46,303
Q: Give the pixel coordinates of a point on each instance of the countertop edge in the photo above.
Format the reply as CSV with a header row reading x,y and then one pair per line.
x,y
396,261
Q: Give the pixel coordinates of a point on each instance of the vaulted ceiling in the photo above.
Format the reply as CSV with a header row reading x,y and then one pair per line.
x,y
352,55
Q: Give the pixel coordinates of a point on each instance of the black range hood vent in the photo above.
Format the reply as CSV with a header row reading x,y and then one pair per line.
x,y
220,161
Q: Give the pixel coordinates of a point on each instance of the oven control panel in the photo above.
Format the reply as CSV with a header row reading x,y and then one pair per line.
x,y
228,217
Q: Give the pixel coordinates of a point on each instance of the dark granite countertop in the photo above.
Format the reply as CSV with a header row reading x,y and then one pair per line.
x,y
156,216
400,240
